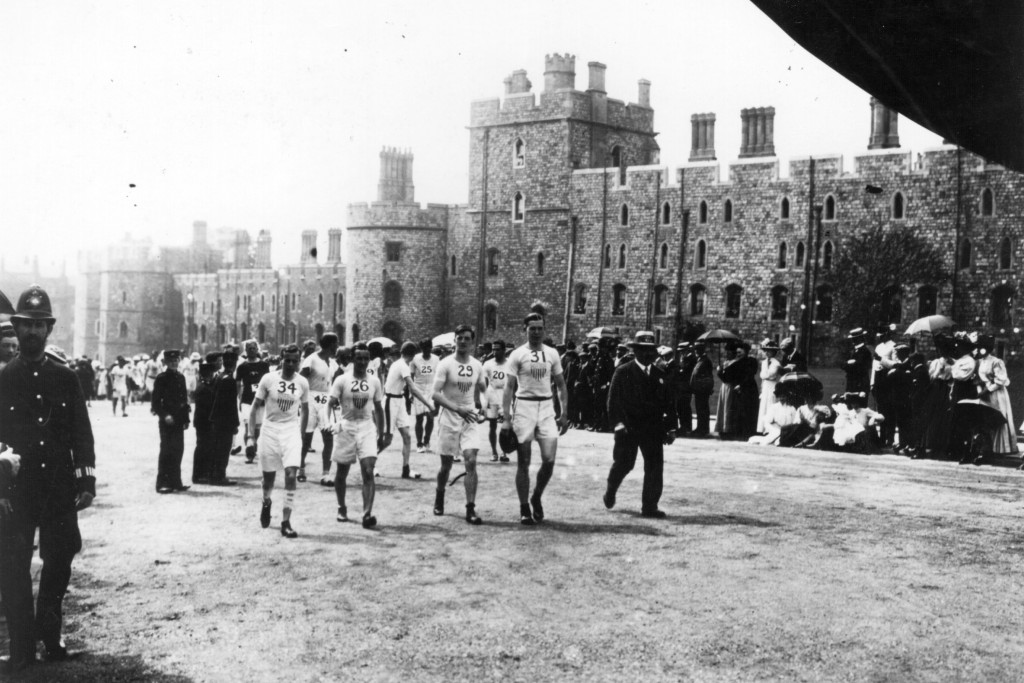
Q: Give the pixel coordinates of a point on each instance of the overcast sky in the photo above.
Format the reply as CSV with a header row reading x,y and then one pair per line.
x,y
271,115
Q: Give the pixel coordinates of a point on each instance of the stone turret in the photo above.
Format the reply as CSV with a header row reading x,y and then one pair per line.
x,y
262,249
559,72
395,183
702,137
758,132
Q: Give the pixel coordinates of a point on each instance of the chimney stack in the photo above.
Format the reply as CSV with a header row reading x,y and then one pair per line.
x,y
702,137
597,71
263,249
308,247
758,132
395,183
517,83
644,94
334,245
884,133
241,249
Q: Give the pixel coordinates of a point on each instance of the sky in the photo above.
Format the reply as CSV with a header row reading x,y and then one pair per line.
x,y
140,117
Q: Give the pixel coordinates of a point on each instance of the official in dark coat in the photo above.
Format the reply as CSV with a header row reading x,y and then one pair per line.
x,y
170,405
202,457
45,424
702,383
791,359
642,411
679,371
224,419
858,366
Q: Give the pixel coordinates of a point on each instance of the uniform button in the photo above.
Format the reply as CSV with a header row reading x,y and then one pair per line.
x,y
43,465
35,374
40,419
42,443
39,396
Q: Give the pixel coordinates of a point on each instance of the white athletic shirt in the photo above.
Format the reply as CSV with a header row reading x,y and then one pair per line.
x,y
496,375
457,381
397,375
423,370
356,397
119,378
282,397
320,372
534,370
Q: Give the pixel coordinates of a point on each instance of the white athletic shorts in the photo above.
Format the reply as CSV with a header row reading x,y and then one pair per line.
x,y
455,435
396,414
280,446
319,415
354,440
417,406
534,420
494,398
246,409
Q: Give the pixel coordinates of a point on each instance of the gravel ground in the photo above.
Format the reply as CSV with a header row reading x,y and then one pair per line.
x,y
774,564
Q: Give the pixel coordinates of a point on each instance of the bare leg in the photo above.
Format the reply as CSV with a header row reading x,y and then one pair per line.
x,y
366,466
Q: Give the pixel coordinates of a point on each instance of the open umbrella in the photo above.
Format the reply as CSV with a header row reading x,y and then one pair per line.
x,y
978,414
446,339
802,384
717,336
931,323
385,342
601,333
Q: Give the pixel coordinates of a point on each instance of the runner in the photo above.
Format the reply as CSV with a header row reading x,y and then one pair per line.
x,y
360,430
286,397
119,385
495,371
531,369
457,389
423,367
396,415
248,375
318,369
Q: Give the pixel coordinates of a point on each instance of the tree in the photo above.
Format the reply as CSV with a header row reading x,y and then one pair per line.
x,y
873,267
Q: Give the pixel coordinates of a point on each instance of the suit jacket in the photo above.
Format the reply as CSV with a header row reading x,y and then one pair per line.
x,y
224,408
643,403
171,398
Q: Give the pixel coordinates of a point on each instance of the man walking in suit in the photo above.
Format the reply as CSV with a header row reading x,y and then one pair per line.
x,y
642,411
170,405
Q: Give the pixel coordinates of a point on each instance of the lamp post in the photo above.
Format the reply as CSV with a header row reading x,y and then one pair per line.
x,y
191,303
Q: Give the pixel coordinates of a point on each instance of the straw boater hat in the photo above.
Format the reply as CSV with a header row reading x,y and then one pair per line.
x,y
644,340
857,334
769,345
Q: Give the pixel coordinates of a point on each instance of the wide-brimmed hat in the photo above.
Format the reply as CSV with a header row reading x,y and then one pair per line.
x,y
34,304
857,334
644,340
769,345
195,356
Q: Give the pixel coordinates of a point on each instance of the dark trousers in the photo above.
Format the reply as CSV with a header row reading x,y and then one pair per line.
x,y
172,448
202,457
59,542
220,452
685,414
702,406
624,458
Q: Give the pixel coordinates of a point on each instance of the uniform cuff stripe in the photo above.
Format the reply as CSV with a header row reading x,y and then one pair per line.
x,y
85,472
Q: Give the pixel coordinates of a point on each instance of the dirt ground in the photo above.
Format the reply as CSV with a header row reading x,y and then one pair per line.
x,y
773,564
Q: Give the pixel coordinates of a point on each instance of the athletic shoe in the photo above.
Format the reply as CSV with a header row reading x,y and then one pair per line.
x,y
427,448
265,513
405,472
369,521
538,509
421,449
653,514
525,516
471,515
609,499
376,473
326,480
250,454
439,503
287,531
236,450
342,514
503,458
494,457
302,474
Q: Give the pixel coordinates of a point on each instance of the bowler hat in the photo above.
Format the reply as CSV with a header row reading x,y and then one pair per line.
x,y
683,346
171,354
643,339
34,304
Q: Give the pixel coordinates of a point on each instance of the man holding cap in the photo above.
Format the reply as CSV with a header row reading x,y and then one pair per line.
x,y
44,421
170,405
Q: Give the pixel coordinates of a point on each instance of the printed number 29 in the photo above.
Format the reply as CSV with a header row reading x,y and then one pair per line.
x,y
465,371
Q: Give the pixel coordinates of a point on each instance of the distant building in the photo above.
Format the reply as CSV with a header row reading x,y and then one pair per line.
x,y
15,279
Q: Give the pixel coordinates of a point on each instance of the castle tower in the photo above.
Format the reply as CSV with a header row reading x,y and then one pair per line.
x,y
702,137
559,72
308,255
395,184
884,133
334,245
758,132
240,249
262,250
198,233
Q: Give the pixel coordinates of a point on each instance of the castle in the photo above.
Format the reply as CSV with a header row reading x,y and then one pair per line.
x,y
570,213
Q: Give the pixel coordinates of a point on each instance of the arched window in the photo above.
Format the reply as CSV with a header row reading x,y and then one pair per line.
x,y
1005,254
892,305
492,261
540,263
122,330
964,254
96,327
799,260
319,303
660,300
222,334
295,300
607,256
318,331
727,211
780,262
619,162
784,209
356,330
926,301
263,302
666,213
1002,306
273,303
897,206
701,259
830,208
619,299
827,254
261,333
518,207
244,331
988,202
698,297
491,317
823,304
519,153
124,296
392,294
452,270
202,334
392,330
580,299
237,302
780,303
702,212
622,256
341,304
663,255
733,299
339,330
624,215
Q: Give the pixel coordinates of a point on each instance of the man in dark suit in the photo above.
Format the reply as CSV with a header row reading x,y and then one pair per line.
x,y
858,367
791,359
170,405
702,383
224,419
642,411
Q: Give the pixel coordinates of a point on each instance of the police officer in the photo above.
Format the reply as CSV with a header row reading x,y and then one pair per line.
x,y
44,422
170,405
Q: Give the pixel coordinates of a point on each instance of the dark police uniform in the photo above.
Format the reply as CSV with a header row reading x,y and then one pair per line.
x,y
43,419
170,401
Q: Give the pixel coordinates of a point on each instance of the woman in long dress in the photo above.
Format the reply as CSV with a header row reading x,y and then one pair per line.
x,y
737,405
771,371
936,407
993,381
